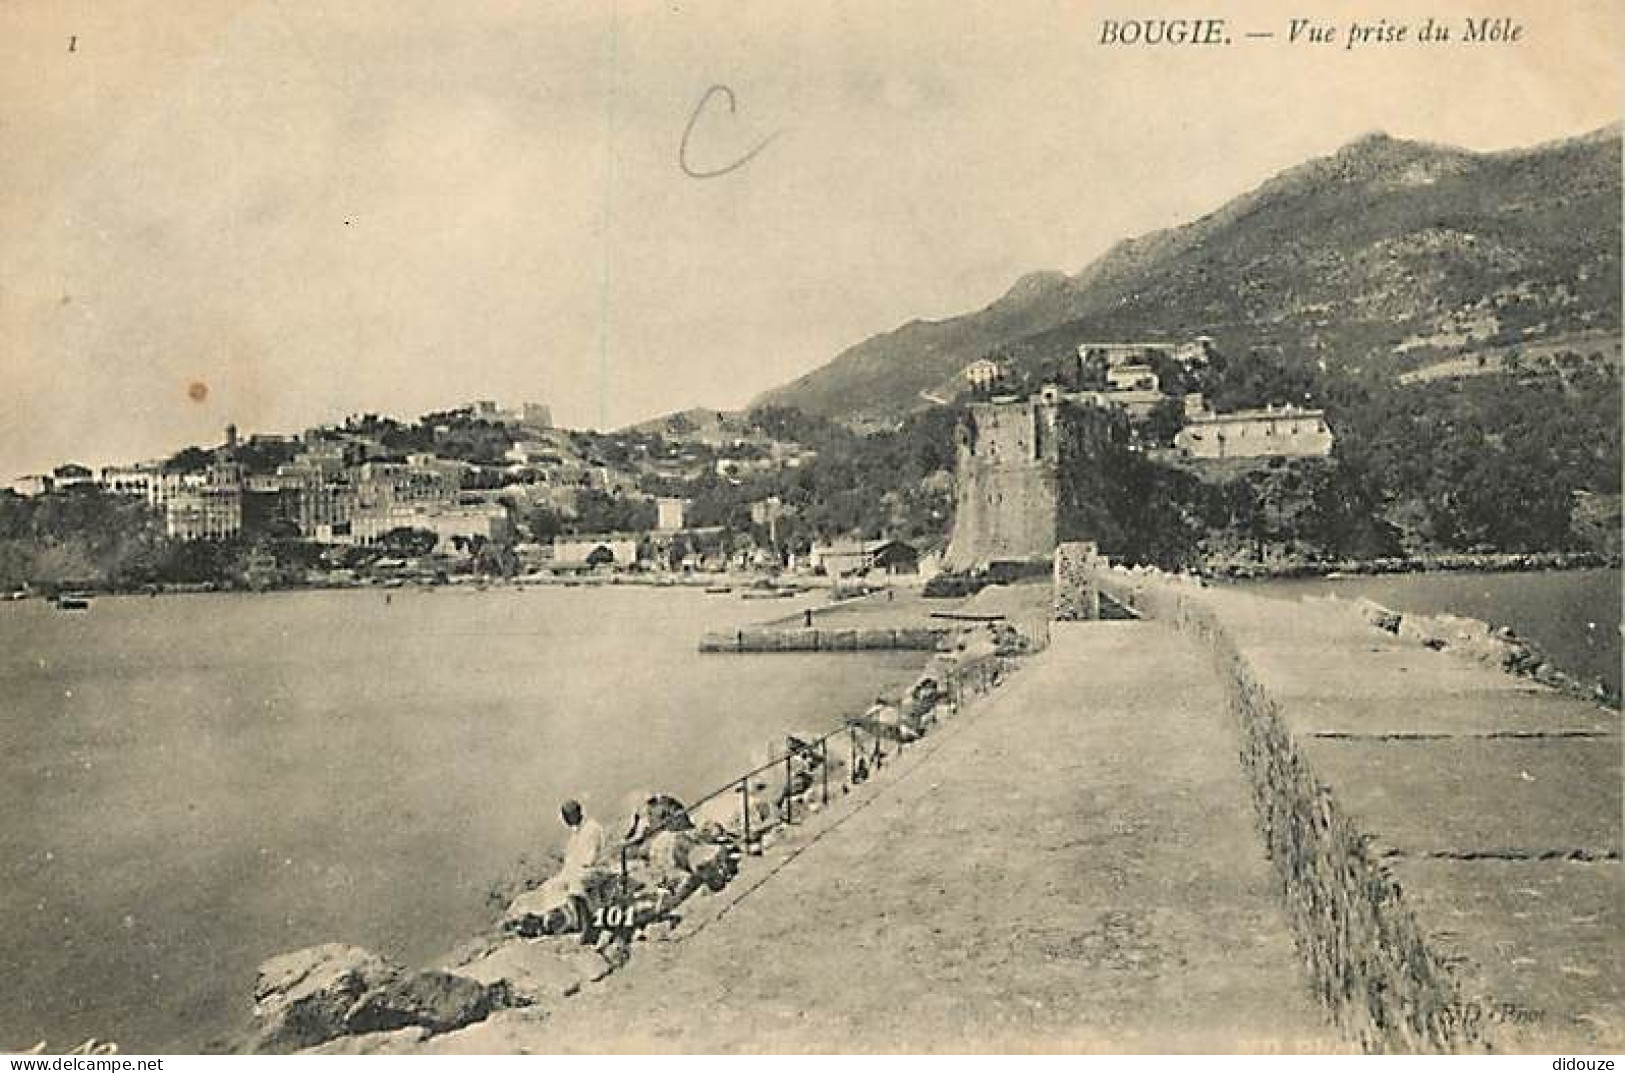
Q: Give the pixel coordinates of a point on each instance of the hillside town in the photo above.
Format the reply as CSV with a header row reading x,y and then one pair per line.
x,y
477,489
485,490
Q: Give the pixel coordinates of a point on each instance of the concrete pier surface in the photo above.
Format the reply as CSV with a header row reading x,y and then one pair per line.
x,y
1449,835
1072,865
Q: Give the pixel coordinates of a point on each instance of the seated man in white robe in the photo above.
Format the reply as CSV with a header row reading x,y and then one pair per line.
x,y
560,904
583,853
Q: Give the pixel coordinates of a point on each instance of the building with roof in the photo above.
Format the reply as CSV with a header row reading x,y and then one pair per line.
x,y
671,513
861,557
32,484
1273,432
1131,378
203,504
139,479
587,551
71,475
1198,351
983,373
449,523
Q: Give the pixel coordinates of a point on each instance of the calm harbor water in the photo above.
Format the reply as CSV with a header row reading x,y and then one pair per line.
x,y
193,783
1573,615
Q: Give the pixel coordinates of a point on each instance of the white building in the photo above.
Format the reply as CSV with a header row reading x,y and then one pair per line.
x,y
486,521
585,551
534,415
530,414
766,511
671,513
71,475
33,484
1131,378
201,505
140,479
324,458
983,373
383,485
1198,351
1273,432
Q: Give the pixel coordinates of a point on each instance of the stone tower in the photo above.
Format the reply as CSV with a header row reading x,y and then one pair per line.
x,y
1006,483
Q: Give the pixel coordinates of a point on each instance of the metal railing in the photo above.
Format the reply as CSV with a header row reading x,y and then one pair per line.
x,y
866,747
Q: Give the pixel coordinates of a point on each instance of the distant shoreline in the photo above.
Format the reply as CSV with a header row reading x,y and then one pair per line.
x,y
1498,563
1226,570
735,583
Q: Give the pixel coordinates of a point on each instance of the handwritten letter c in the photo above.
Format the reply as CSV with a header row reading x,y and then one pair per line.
x,y
682,151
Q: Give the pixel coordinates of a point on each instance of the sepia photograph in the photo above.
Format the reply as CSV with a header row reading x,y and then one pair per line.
x,y
810,527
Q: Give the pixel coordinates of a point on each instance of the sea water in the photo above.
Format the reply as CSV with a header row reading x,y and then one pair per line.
x,y
194,783
1572,615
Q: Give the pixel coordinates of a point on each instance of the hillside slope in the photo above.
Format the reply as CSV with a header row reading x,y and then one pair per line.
x,y
1381,254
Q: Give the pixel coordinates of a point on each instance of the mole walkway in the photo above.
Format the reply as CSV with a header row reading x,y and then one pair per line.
x,y
1071,865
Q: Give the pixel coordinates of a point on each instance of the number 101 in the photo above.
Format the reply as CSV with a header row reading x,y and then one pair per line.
x,y
612,916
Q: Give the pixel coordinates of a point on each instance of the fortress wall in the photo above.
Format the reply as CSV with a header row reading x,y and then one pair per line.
x,y
1002,515
1005,486
1447,837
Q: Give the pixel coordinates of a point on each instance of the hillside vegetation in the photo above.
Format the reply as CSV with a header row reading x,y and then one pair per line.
x,y
1456,314
1378,257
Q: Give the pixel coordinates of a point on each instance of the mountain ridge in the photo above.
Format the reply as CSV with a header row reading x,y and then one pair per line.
x,y
1341,258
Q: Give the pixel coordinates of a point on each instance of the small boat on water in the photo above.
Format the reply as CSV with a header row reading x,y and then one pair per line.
x,y
73,601
718,590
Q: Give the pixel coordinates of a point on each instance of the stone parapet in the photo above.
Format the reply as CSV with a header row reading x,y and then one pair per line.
x,y
1077,597
1447,836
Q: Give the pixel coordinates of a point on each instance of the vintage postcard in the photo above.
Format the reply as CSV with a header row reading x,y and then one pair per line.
x,y
818,527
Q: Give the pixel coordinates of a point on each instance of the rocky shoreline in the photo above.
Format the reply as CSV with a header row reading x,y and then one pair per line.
x,y
1523,562
1484,642
337,998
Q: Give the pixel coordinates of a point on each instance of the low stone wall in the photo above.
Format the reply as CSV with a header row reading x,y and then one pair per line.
x,y
1365,955
1392,980
824,639
1077,598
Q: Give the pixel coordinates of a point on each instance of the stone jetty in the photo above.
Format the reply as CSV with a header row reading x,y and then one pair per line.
x,y
1446,835
1074,866
1211,822
826,639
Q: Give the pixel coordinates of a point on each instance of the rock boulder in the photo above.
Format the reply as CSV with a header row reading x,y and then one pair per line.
x,y
537,971
431,999
304,998
400,1041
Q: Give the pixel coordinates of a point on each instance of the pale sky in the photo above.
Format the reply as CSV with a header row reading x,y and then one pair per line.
x,y
320,209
